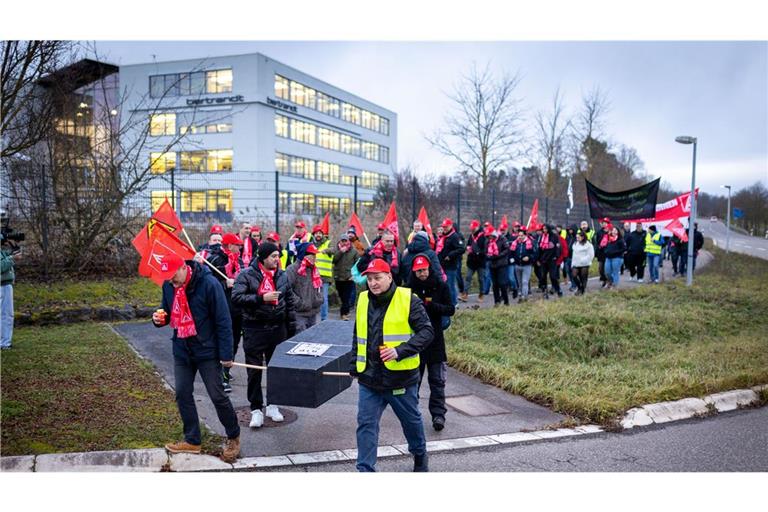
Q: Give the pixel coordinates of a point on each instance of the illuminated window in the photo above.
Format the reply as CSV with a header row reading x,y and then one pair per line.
x,y
328,139
160,163
328,172
158,197
219,160
214,160
350,113
192,161
372,180
303,95
206,201
281,163
281,126
328,204
296,203
302,132
162,124
282,87
218,81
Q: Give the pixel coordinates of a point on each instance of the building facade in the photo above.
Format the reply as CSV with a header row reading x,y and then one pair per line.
x,y
240,137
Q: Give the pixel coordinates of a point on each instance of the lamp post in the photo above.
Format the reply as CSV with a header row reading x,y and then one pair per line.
x,y
686,139
728,223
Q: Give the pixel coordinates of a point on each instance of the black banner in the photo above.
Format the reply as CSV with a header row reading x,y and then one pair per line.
x,y
636,203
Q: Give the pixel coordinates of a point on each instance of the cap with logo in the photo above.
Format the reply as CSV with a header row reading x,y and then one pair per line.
x,y
420,263
377,265
217,230
169,265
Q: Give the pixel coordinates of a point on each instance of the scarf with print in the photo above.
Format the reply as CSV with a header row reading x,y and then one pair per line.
x,y
232,268
528,243
493,247
181,315
544,242
378,251
247,250
317,282
267,283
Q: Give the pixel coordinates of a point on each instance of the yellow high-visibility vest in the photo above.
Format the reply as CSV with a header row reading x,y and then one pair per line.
x,y
323,261
283,259
563,234
590,234
650,246
397,330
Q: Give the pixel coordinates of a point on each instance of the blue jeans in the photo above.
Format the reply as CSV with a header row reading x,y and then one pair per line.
x,y
653,266
6,315
511,278
487,278
210,373
612,269
567,267
370,406
324,307
451,282
523,277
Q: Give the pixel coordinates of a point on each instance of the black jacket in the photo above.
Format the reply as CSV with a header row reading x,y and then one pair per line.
x,y
453,250
397,272
698,241
599,252
635,243
376,375
255,312
217,258
420,246
210,312
437,302
552,253
476,258
519,250
615,249
502,260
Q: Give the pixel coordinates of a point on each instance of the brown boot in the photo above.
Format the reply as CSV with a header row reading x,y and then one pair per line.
x,y
182,447
479,297
231,450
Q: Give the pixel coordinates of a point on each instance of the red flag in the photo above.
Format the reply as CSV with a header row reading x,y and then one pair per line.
x,y
533,220
354,222
678,229
391,222
504,224
163,242
164,216
326,224
424,219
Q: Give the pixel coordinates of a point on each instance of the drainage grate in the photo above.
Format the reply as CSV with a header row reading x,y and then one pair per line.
x,y
472,405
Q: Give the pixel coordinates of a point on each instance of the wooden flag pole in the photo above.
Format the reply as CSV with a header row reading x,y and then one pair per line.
x,y
191,246
336,374
251,366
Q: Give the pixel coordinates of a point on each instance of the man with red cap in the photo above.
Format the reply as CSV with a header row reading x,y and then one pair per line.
x,y
380,229
387,250
449,250
605,225
476,246
306,288
196,308
437,302
391,329
298,242
213,252
324,263
231,245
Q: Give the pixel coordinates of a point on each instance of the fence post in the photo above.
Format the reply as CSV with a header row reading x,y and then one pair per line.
x,y
44,222
458,205
277,201
354,205
493,206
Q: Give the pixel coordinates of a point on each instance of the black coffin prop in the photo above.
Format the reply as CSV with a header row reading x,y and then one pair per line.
x,y
298,380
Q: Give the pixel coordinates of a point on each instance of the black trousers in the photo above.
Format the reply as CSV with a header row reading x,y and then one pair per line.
x,y
499,281
636,264
537,270
550,268
259,344
601,270
436,381
346,290
210,372
581,278
460,280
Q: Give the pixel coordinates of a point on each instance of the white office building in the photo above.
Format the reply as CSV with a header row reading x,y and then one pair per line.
x,y
249,127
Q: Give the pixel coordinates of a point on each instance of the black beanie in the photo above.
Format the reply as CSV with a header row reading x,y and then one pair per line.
x,y
265,249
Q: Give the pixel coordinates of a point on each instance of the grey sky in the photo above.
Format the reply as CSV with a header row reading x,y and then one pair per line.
x,y
716,91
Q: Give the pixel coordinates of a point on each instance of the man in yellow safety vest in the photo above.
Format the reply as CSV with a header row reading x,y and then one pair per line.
x,y
324,264
391,329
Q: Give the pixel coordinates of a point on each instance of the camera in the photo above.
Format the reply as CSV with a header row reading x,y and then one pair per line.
x,y
11,236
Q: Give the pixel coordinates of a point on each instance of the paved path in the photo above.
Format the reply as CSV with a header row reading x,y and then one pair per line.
x,y
734,441
750,245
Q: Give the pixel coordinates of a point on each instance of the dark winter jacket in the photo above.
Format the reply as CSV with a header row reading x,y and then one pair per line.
x,y
615,249
397,272
306,298
255,312
636,242
216,257
519,250
478,243
698,241
210,312
547,254
420,246
599,253
376,375
436,297
502,260
453,250
342,262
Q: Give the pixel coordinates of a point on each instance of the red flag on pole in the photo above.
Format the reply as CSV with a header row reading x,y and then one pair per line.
x,y
326,224
161,243
533,220
678,229
504,224
164,216
354,222
391,222
424,219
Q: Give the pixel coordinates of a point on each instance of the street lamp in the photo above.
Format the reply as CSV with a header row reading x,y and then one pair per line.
x,y
728,225
686,139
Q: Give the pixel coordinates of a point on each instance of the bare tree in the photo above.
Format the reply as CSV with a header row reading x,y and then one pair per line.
x,y
552,129
482,129
26,113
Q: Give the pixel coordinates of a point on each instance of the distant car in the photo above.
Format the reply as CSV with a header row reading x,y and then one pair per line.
x,y
713,218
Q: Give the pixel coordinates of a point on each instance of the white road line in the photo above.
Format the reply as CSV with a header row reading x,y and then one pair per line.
x,y
762,249
747,246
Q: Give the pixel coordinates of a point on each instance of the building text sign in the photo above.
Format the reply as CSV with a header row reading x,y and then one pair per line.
x,y
216,101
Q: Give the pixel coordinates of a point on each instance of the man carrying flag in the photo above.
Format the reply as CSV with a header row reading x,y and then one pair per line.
x,y
196,308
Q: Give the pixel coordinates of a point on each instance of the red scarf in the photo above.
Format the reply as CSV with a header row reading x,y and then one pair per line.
x,y
378,251
181,315
441,242
247,250
493,248
317,282
607,239
528,244
267,283
544,242
232,268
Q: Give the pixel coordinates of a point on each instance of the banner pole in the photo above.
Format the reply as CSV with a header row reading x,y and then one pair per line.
x,y
205,260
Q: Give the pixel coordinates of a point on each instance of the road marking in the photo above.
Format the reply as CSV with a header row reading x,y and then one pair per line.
x,y
747,246
762,249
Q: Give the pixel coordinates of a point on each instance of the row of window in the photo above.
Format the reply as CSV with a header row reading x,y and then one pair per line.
x,y
165,124
201,201
306,96
308,169
311,204
328,138
188,84
210,160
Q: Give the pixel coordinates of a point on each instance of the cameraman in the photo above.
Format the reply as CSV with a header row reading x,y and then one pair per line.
x,y
6,293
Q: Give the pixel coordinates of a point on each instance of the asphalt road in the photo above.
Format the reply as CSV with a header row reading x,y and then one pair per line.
x,y
751,245
733,441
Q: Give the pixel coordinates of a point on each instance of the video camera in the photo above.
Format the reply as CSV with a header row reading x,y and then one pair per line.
x,y
11,236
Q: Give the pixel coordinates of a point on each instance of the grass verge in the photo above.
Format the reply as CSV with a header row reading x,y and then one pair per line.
x,y
116,292
596,356
81,388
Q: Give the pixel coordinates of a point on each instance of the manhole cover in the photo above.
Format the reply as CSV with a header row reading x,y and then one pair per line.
x,y
472,405
244,417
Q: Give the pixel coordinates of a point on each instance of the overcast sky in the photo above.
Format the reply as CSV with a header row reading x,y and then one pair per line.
x,y
716,91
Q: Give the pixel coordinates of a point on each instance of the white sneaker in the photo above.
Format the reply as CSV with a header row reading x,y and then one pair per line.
x,y
274,413
257,419
641,280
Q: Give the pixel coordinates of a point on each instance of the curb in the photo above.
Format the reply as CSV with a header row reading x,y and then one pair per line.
x,y
158,459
